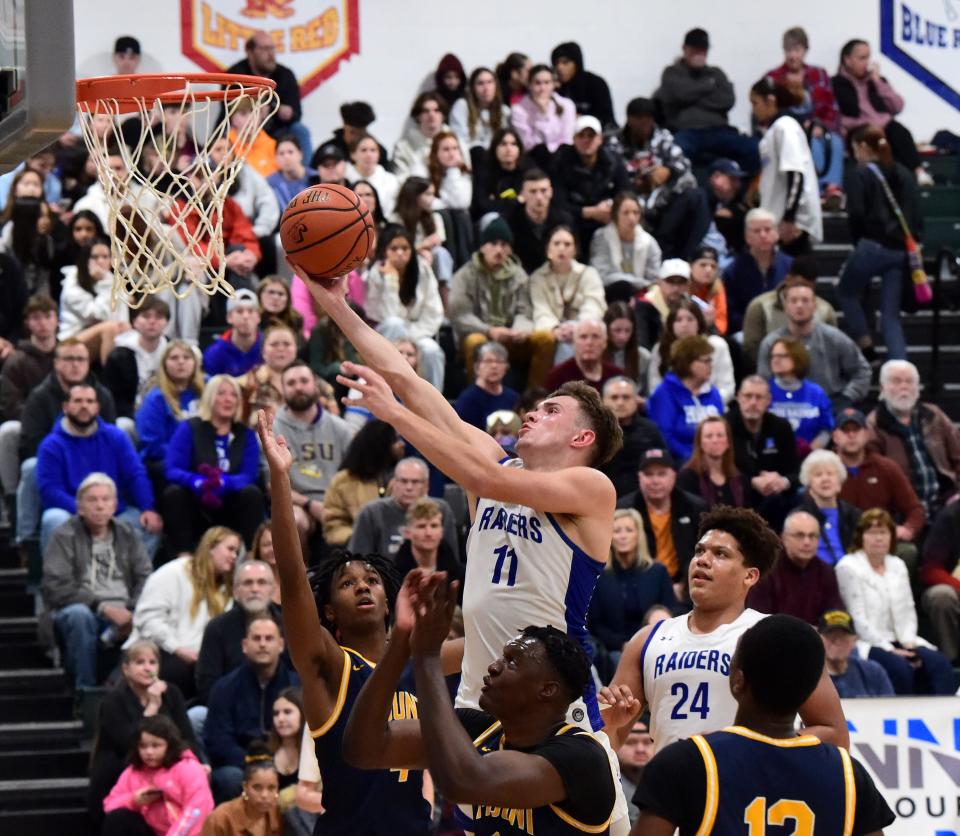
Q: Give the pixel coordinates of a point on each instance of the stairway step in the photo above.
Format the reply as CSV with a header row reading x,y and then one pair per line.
x,y
21,628
943,168
940,202
54,735
830,257
54,821
941,234
24,654
42,792
32,764
16,604
50,681
38,708
13,580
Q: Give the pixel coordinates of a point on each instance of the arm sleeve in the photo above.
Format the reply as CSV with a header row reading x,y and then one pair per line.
x,y
583,767
218,733
152,616
794,193
180,457
463,305
872,813
150,422
679,802
249,466
195,788
593,301
363,540
855,365
210,661
60,587
121,796
428,323
851,590
544,318
50,473
133,474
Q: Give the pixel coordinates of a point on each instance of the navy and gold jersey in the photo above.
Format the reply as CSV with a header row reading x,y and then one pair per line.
x,y
362,802
738,781
582,764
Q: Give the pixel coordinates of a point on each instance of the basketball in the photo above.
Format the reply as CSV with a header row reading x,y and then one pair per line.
x,y
326,231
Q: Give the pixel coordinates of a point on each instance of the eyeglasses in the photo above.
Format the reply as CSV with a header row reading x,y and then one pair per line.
x,y
803,535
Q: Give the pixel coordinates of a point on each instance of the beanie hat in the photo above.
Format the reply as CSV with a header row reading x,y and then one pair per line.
x,y
496,230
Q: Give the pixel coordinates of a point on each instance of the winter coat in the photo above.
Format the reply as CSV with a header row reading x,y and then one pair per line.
x,y
538,127
256,199
480,299
765,314
773,448
22,372
156,422
869,213
694,98
422,317
344,498
80,308
884,100
482,134
606,256
575,296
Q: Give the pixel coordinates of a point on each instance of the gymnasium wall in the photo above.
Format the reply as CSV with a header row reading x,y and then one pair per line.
x,y
627,41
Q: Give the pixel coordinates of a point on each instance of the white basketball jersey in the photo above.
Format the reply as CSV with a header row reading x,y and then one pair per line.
x,y
522,570
685,677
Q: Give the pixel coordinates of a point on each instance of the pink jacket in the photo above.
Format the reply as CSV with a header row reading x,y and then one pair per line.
x,y
186,799
551,128
302,301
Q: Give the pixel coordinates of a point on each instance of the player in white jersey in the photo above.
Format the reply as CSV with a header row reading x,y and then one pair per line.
x,y
680,667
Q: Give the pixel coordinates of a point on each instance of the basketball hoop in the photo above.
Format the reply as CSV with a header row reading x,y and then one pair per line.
x,y
165,206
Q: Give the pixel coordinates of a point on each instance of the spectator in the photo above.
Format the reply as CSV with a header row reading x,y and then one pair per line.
x,y
867,98
711,472
916,434
874,481
513,74
534,218
794,398
878,190
357,118
284,741
941,598
424,546
543,118
800,584
449,172
490,301
587,177
83,229
239,350
623,349
331,164
588,91
626,256
760,267
221,649
788,179
416,212
291,176
653,307
696,99
133,363
633,755
764,449
176,396
44,163
875,587
449,80
403,299
81,443
257,147
257,810
276,305
180,598
164,790
853,676
137,695
765,312
262,549
429,114
670,514
480,113
836,363
639,433
728,203
240,706
686,319
563,291
366,164
28,232
212,466
631,583
817,113
587,363
261,60
13,298
498,174
378,527
86,308
706,286
679,403
93,573
367,468
317,440
823,474
487,393
261,387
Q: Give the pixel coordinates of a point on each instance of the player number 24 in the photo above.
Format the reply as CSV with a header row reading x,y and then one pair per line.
x,y
757,816
700,704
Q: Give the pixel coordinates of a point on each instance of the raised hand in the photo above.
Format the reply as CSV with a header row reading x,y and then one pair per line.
x,y
275,447
327,292
624,706
376,395
404,617
435,605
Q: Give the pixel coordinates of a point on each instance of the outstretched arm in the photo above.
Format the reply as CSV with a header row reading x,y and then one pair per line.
x,y
316,655
822,714
625,690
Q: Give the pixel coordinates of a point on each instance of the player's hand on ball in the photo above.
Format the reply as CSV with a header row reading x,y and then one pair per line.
x,y
623,706
325,291
274,446
375,394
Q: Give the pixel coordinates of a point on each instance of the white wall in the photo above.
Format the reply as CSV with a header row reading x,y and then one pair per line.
x,y
627,41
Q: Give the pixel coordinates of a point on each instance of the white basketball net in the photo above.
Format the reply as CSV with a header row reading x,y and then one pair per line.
x,y
165,219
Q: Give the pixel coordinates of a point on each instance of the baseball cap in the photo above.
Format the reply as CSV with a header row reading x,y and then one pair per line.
x,y
697,39
727,166
656,455
584,123
705,251
330,151
126,43
243,297
851,416
837,620
674,267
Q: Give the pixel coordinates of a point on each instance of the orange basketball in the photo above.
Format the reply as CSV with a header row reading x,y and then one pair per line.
x,y
326,231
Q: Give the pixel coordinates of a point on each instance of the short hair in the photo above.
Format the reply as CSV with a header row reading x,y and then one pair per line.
x,y
759,544
755,379
423,98
158,725
297,364
93,480
797,352
818,458
796,36
415,460
151,304
605,426
781,658
870,518
83,384
891,365
758,214
685,351
39,303
491,347
132,650
618,379
794,281
293,139
567,658
535,174
262,616
251,561
578,325
797,512
70,342
850,46
205,410
424,508
321,578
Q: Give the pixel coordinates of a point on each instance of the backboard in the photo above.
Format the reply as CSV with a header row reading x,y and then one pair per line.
x,y
37,76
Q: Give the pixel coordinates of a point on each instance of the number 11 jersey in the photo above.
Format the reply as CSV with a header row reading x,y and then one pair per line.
x,y
522,570
685,677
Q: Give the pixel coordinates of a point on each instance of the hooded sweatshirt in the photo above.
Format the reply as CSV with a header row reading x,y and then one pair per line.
x,y
23,371
677,412
588,91
317,449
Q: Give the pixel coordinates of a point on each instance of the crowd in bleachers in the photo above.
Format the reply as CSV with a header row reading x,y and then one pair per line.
x,y
524,239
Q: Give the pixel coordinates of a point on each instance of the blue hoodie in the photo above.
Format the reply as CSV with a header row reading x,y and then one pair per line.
x,y
223,357
64,461
677,412
808,409
156,422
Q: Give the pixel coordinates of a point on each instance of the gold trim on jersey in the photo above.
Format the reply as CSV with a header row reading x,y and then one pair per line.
x,y
586,828
712,798
785,743
341,698
486,733
365,659
849,792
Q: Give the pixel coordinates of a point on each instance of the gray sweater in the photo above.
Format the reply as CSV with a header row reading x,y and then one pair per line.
x,y
695,98
317,449
378,525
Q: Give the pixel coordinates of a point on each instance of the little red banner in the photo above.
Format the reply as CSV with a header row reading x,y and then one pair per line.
x,y
312,36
